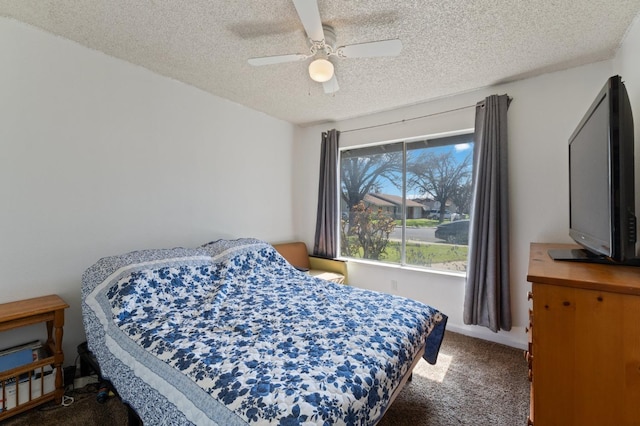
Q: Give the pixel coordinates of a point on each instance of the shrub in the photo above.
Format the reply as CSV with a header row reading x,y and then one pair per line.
x,y
368,232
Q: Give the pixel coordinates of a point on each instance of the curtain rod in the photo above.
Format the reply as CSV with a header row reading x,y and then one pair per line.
x,y
410,119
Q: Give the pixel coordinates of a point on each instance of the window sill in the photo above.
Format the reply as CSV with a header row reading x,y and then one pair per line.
x,y
404,267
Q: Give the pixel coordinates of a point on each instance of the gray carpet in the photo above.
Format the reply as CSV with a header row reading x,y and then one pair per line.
x,y
475,382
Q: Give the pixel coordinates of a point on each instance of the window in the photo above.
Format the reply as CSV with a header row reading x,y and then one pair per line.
x,y
408,202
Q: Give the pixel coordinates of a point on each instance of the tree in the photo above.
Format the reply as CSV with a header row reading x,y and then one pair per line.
x,y
368,232
462,195
361,175
439,175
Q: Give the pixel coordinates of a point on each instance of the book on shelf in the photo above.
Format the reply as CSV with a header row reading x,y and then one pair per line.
x,y
19,348
42,378
17,395
15,359
21,355
32,345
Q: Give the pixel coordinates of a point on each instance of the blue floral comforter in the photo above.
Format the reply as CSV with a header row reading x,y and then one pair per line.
x,y
231,334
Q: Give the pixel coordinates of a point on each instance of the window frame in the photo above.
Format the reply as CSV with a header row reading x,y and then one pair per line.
x,y
462,134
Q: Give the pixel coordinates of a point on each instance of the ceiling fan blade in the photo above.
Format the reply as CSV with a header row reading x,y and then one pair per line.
x,y
310,17
278,59
374,48
331,86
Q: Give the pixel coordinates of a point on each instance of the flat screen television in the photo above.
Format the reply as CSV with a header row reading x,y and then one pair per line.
x,y
602,181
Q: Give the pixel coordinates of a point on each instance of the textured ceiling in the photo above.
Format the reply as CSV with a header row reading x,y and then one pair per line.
x,y
449,46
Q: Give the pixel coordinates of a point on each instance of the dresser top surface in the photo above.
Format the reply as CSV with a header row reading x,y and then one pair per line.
x,y
543,269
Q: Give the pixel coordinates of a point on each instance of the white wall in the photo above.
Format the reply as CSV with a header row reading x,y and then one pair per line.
x,y
100,157
627,65
544,112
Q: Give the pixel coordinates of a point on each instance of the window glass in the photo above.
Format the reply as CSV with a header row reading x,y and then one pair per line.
x,y
371,202
408,203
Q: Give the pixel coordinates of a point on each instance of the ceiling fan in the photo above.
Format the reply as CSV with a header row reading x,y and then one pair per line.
x,y
322,40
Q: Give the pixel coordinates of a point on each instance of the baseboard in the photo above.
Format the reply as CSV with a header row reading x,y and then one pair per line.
x,y
504,338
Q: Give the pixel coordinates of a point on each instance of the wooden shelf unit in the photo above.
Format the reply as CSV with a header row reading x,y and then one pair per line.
x,y
50,310
585,341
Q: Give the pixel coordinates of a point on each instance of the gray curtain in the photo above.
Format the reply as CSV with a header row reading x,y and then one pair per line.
x,y
326,243
487,297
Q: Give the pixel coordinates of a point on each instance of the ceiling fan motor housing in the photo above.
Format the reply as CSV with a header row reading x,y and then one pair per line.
x,y
329,44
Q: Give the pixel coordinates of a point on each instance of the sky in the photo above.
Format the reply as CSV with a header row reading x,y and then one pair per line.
x,y
460,153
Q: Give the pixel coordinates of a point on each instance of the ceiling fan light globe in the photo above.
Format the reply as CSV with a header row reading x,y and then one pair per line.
x,y
321,70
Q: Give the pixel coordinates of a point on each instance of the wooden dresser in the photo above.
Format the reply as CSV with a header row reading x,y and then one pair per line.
x,y
584,351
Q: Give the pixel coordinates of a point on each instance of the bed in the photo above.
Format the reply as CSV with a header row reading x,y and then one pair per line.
x,y
231,334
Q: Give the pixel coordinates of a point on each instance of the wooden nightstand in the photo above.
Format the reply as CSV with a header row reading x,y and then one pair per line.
x,y
27,386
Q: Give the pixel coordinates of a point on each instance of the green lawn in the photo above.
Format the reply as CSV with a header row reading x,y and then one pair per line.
x,y
425,254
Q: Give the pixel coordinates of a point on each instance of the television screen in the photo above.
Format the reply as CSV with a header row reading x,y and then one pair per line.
x,y
602,181
590,213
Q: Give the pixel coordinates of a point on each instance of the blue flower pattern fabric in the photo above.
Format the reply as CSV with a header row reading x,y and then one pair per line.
x,y
271,343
